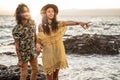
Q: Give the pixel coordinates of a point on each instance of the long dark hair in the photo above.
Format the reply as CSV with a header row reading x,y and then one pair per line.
x,y
45,24
18,11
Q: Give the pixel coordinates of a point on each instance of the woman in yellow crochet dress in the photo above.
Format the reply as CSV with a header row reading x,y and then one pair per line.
x,y
50,36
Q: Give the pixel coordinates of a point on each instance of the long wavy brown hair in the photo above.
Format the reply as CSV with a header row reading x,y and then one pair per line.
x,y
19,10
45,24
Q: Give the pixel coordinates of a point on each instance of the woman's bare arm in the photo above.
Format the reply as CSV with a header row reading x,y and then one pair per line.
x,y
71,23
38,44
18,49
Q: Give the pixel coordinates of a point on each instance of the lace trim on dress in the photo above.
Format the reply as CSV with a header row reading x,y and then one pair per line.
x,y
59,65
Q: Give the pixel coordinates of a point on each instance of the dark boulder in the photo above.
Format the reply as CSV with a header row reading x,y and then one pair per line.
x,y
93,44
9,53
13,73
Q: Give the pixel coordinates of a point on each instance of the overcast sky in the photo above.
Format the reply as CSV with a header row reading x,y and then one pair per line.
x,y
36,5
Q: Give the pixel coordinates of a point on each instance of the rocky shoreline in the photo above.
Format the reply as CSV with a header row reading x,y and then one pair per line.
x,y
87,44
93,44
13,73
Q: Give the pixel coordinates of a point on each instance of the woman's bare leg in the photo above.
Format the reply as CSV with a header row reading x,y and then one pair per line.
x,y
55,74
49,77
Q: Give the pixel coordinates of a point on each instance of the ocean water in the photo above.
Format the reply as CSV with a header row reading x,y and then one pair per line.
x,y
81,67
108,25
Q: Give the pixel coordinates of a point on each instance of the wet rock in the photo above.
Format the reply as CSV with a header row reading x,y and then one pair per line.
x,y
12,43
89,69
9,53
3,72
93,44
13,73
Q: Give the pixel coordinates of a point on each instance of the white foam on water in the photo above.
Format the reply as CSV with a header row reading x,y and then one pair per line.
x,y
81,67
93,67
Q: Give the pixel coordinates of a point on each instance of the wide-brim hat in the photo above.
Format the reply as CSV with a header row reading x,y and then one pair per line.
x,y
44,8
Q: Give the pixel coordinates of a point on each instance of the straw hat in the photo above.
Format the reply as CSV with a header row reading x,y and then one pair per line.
x,y
44,8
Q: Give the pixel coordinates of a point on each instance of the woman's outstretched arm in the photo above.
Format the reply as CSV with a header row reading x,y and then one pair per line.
x,y
83,24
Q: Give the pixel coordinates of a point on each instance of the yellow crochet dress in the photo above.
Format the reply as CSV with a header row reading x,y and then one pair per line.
x,y
53,55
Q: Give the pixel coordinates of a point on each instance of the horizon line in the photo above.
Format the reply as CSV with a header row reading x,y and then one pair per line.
x,y
11,12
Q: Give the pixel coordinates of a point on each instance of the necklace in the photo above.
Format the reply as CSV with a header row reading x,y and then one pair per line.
x,y
49,23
